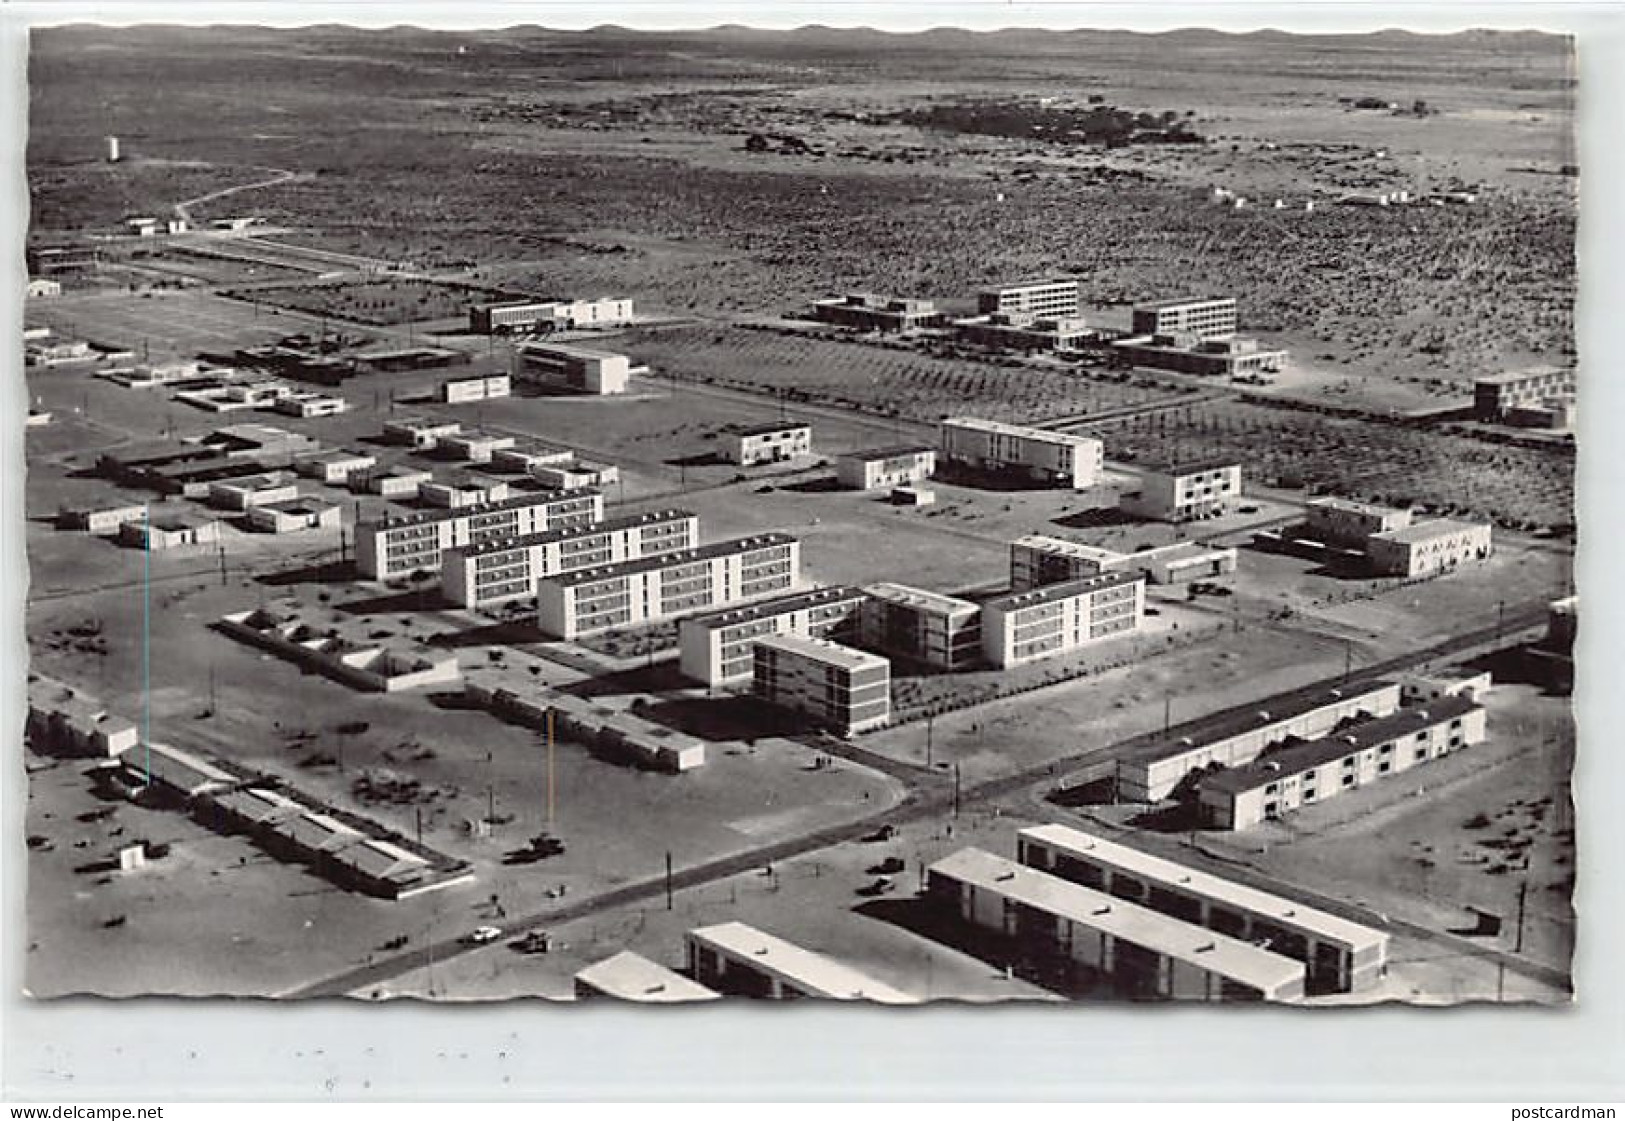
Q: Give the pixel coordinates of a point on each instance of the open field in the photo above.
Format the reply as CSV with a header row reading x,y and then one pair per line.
x,y
379,303
164,324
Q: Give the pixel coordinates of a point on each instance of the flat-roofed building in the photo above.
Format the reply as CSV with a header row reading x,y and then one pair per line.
x,y
169,531
584,370
1187,353
1059,618
563,315
243,491
62,718
1344,521
390,480
867,312
478,387
1144,954
925,627
716,648
1055,296
422,433
1457,681
1053,458
101,520
263,443
1339,955
840,688
1428,547
1026,332
877,468
633,977
335,467
767,443
576,473
1307,773
304,512
1499,394
308,405
1206,317
740,960
473,446
501,570
390,548
470,490
1238,735
526,455
1185,492
1036,560
589,600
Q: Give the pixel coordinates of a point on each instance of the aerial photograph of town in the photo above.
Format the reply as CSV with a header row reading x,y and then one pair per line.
x,y
1059,516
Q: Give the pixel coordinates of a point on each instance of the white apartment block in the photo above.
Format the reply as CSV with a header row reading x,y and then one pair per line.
x,y
487,387
840,688
716,648
599,372
767,443
1344,521
1205,317
559,314
409,543
878,468
1425,548
925,627
1059,618
1054,458
1185,492
590,600
500,570
1054,298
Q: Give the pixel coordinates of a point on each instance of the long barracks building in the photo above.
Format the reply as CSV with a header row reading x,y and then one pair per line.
x,y
507,568
716,648
400,546
590,600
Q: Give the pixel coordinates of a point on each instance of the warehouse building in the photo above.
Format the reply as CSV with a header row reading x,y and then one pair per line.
x,y
1060,618
843,689
1430,547
867,312
1053,458
297,514
629,976
1239,735
504,569
739,960
562,315
1340,956
924,627
486,387
1144,954
1306,773
1343,521
422,433
399,546
466,490
1056,297
1498,395
599,372
885,467
1022,332
716,648
67,720
335,467
589,600
169,531
1185,492
1205,317
767,443
1036,560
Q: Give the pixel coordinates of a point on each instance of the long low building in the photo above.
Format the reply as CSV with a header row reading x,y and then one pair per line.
x,y
840,688
1191,354
590,600
1340,955
616,733
1145,954
633,977
1347,521
520,315
305,512
1239,735
868,312
399,546
1036,560
373,666
598,372
1052,458
716,648
1059,618
1301,774
335,467
877,468
64,719
944,632
740,960
1428,547
101,520
502,570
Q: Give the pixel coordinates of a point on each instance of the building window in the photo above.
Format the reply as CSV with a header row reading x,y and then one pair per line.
x,y
1348,780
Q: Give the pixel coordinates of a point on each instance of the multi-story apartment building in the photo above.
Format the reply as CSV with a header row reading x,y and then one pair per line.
x,y
500,570
563,315
1499,394
1054,458
767,443
867,312
1308,773
925,627
1343,521
1057,297
1424,548
843,689
1026,332
579,368
1206,317
410,543
1059,618
885,467
716,648
590,600
1185,492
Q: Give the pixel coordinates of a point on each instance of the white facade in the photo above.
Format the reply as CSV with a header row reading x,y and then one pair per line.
x,y
460,391
735,958
419,432
456,494
1344,521
597,372
768,443
1429,547
840,688
717,649
400,546
335,467
241,493
1185,493
1055,458
885,467
922,626
291,517
1059,618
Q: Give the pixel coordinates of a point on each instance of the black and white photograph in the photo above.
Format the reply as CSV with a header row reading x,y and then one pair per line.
x,y
656,516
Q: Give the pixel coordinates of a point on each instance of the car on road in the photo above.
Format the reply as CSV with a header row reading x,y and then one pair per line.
x,y
482,935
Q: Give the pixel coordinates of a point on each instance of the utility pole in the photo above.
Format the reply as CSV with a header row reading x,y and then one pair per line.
x,y
1167,712
930,722
418,811
1523,892
668,880
956,789
550,768
490,790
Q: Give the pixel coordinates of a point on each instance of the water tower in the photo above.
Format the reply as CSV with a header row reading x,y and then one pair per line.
x,y
112,149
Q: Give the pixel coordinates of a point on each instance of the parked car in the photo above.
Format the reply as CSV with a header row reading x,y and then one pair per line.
x,y
482,935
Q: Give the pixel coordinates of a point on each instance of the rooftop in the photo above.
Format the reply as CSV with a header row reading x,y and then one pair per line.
x,y
562,350
1513,377
1353,505
768,608
1039,283
765,429
816,973
869,455
634,977
1060,545
339,455
1299,757
1428,530
1205,949
1051,593
979,424
1191,467
304,504
422,424
920,600
179,521
515,502
823,650
1183,301
669,560
1192,881
571,532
